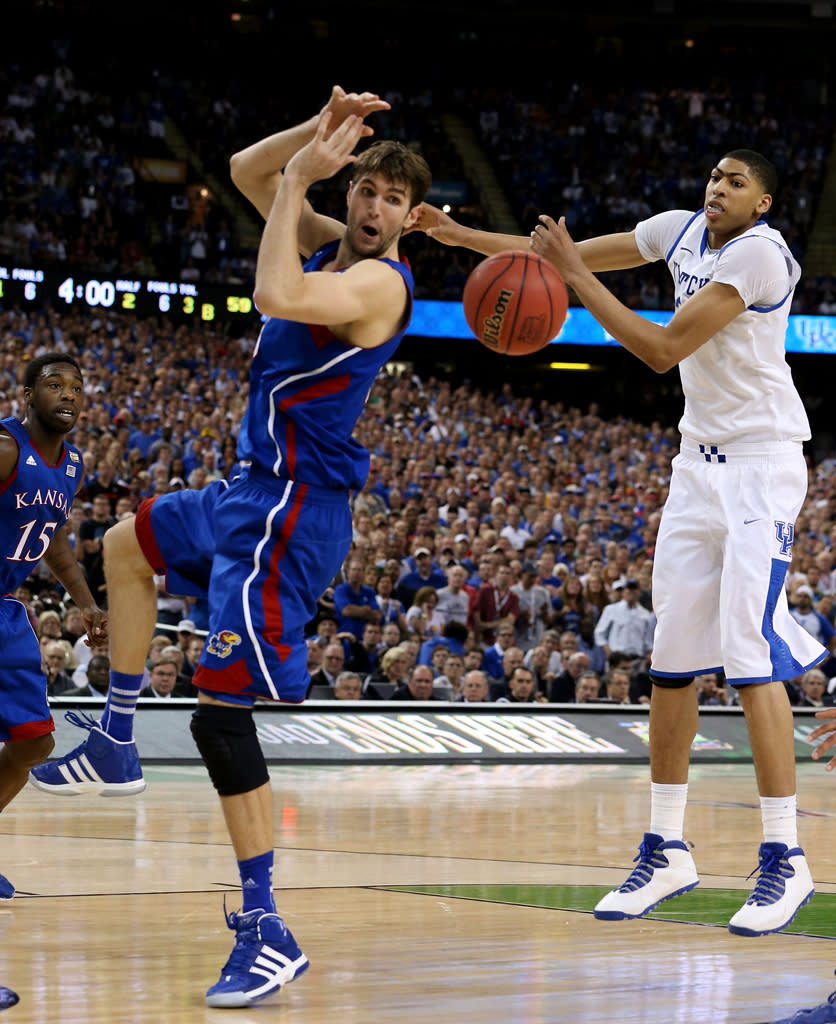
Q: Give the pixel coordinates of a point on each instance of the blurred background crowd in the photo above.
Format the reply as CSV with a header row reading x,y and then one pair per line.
x,y
504,541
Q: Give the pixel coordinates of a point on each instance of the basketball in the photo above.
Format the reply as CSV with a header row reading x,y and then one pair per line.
x,y
515,302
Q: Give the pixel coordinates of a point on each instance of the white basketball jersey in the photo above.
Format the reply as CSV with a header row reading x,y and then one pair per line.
x,y
737,386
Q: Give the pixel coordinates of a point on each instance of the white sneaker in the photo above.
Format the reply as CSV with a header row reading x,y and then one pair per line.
x,y
664,870
784,885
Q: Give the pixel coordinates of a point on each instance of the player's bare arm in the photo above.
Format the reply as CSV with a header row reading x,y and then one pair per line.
x,y
661,348
257,170
438,225
367,301
62,561
8,455
608,252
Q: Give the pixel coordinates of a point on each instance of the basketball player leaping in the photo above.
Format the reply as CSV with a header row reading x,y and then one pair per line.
x,y
726,534
268,544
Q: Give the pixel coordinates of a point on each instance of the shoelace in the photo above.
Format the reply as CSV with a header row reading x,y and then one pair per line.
x,y
80,719
242,952
649,859
769,887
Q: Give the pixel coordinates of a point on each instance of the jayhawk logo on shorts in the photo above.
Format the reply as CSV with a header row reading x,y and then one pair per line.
x,y
221,643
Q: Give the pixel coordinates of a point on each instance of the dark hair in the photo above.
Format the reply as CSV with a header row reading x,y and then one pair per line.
x,y
763,169
34,366
397,163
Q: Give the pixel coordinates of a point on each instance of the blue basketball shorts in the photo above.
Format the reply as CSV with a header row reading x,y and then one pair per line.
x,y
24,709
262,550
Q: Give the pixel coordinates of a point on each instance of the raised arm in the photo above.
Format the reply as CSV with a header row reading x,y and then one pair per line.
x,y
257,170
661,347
607,252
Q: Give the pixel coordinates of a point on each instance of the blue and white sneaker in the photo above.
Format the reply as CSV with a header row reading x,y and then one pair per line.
x,y
98,765
7,890
784,885
264,958
663,870
824,1013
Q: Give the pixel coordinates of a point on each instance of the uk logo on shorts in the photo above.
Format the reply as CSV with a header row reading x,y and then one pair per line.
x,y
784,532
221,643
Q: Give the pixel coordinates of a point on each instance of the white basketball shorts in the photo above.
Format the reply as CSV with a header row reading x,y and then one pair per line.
x,y
724,544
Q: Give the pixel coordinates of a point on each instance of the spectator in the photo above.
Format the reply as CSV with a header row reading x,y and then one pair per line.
x,y
535,608
564,687
587,688
448,684
98,678
625,625
355,603
58,677
418,687
496,605
424,575
392,672
391,609
521,687
423,620
348,687
362,656
454,599
618,686
163,678
333,659
475,688
710,692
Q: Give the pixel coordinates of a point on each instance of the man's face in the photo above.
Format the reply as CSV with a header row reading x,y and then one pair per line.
x,y
505,636
349,688
163,678
98,673
474,687
332,659
734,198
522,685
101,507
378,211
57,396
586,690
421,682
453,668
371,636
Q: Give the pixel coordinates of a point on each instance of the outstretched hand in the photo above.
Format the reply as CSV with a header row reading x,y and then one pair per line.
x,y
328,151
435,224
551,240
341,105
827,729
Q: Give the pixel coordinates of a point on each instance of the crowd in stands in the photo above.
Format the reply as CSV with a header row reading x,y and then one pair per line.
x,y
77,142
496,535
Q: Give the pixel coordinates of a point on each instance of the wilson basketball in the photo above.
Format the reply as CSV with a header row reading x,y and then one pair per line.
x,y
515,302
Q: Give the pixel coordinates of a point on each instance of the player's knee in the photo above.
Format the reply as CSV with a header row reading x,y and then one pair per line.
x,y
123,556
675,683
31,752
227,741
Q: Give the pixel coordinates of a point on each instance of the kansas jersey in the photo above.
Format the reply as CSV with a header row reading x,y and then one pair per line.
x,y
307,391
737,386
35,502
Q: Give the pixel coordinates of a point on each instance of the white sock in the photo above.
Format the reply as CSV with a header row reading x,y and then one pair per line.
x,y
667,810
778,817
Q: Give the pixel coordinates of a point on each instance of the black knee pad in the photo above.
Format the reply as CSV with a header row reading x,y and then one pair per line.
x,y
671,684
227,741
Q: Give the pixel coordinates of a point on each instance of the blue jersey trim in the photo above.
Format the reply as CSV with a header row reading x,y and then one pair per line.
x,y
680,235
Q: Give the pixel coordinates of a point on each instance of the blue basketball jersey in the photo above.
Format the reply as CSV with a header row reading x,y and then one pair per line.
x,y
35,502
307,391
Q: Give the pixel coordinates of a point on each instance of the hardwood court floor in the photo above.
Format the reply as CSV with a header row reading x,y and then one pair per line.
x,y
431,894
